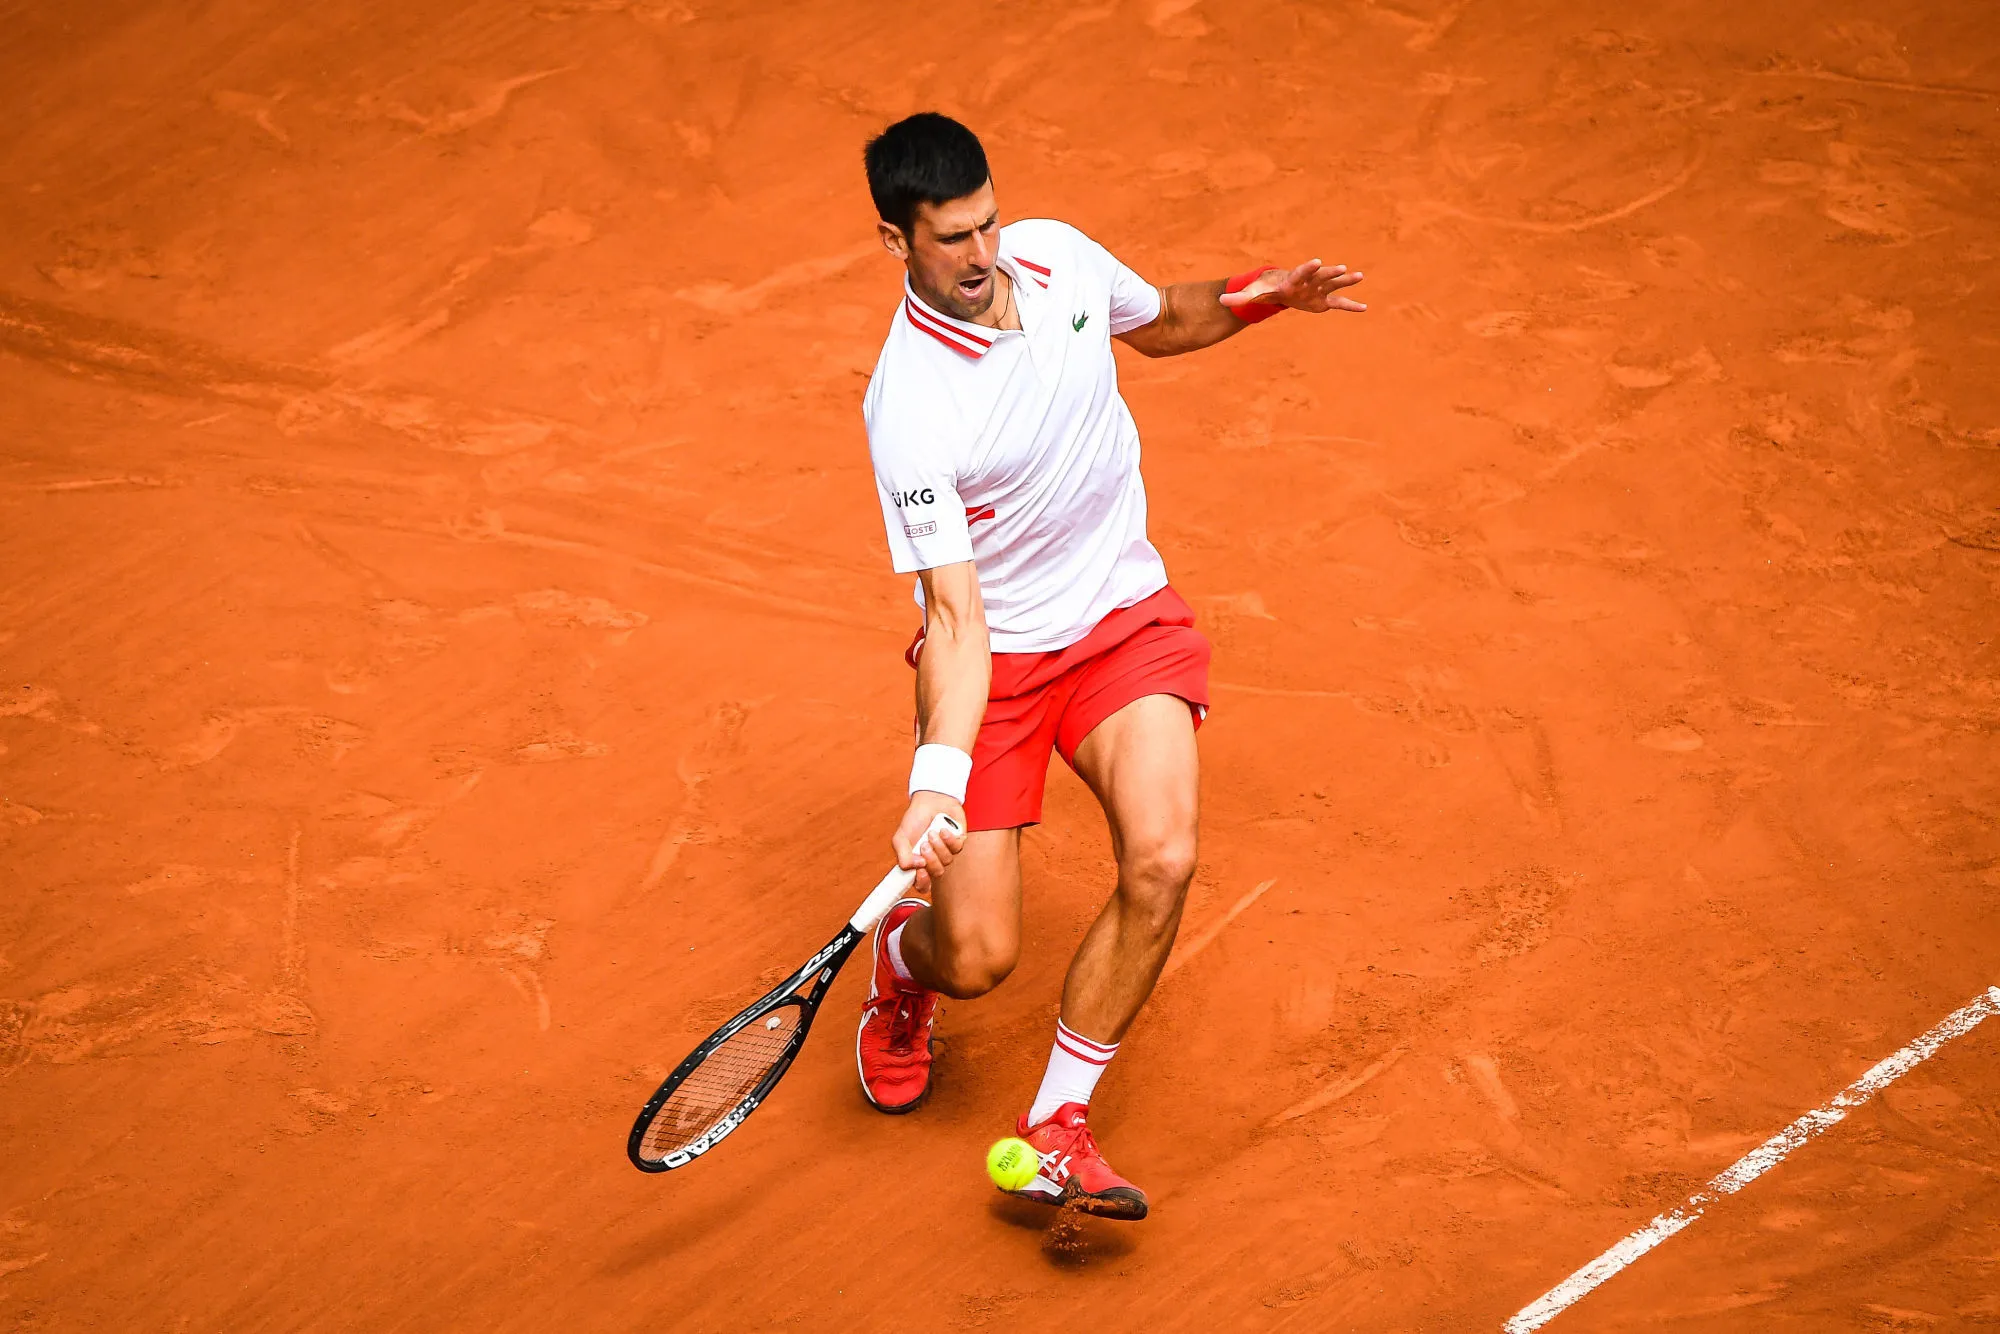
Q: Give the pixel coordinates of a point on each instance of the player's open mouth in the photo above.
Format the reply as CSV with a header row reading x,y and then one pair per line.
x,y
974,288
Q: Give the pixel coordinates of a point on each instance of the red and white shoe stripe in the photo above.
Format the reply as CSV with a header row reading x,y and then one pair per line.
x,y
1097,1053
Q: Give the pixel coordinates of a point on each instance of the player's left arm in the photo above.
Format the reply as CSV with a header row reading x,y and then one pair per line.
x,y
1198,315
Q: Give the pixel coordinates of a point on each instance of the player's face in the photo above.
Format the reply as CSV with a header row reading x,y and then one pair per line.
x,y
951,250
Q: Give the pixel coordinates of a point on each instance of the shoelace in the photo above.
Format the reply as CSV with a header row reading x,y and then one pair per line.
x,y
903,1024
1069,1147
1082,1144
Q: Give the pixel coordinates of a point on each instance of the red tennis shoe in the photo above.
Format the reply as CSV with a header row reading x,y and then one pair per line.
x,y
1074,1171
893,1048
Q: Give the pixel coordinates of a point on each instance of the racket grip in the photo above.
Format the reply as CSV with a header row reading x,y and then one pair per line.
x,y
897,883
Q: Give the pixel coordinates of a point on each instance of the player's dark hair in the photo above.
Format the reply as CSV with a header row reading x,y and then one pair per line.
x,y
922,159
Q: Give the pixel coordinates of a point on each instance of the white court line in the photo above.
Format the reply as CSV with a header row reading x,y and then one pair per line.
x,y
1754,1164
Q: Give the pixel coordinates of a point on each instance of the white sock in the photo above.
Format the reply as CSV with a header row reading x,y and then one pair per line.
x,y
894,948
1075,1065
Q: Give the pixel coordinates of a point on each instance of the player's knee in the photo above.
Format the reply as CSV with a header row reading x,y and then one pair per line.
x,y
974,967
1156,876
1164,864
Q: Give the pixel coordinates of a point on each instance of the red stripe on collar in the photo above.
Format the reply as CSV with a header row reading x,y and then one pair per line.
x,y
1039,274
972,345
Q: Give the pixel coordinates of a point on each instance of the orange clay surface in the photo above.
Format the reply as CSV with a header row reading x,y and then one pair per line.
x,y
448,662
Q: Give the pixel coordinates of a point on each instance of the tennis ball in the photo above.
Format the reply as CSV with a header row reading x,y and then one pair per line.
x,y
1012,1163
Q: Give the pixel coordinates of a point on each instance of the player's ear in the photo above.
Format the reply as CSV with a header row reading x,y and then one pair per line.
x,y
893,240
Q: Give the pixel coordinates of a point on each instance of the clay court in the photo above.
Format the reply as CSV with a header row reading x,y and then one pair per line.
x,y
449,663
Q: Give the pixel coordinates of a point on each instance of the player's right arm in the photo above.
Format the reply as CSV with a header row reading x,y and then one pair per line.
x,y
953,674
912,435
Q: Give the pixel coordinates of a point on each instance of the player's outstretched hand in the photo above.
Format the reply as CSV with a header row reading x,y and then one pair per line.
x,y
935,853
1309,287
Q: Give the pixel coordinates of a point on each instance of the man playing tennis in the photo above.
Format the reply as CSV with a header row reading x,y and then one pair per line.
x,y
1008,468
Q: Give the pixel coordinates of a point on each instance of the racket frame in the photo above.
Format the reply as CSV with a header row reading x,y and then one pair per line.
x,y
827,963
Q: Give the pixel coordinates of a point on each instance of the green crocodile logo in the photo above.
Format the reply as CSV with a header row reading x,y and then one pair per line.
x,y
1081,320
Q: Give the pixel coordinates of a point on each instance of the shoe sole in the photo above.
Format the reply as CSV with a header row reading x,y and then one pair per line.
x,y
1121,1204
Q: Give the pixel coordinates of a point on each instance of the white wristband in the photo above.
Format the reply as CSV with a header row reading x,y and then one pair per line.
x,y
940,769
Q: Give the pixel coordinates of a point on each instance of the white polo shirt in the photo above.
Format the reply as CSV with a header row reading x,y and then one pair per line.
x,y
1012,448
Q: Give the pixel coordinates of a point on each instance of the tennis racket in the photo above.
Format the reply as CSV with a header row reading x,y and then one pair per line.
x,y
731,1073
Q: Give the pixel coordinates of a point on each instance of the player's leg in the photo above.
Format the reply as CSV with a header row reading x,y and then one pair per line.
x,y
969,939
964,944
1142,765
967,942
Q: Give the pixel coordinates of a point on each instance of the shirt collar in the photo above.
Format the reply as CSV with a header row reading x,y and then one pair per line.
x,y
1030,281
970,340
975,340
1036,273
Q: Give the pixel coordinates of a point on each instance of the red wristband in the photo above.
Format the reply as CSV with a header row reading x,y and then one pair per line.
x,y
1251,311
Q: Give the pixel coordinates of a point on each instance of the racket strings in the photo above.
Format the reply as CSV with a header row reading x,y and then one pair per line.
x,y
714,1088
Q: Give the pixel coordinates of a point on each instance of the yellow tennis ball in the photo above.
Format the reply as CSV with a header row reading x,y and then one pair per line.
x,y
1012,1163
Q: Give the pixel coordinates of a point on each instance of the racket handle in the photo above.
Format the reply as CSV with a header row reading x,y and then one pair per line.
x,y
897,883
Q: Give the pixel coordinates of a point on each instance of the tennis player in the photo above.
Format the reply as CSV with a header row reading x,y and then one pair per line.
x,y
1008,467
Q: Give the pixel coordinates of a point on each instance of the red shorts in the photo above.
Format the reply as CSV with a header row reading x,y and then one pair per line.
x,y
1044,701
